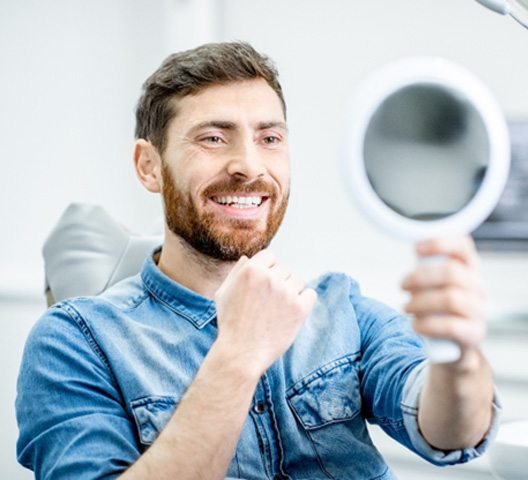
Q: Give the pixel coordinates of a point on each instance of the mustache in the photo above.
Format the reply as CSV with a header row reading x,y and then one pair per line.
x,y
235,185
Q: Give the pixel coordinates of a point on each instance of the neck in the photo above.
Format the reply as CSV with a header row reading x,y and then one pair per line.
x,y
190,268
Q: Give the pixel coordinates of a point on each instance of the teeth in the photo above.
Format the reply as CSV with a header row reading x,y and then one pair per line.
x,y
239,202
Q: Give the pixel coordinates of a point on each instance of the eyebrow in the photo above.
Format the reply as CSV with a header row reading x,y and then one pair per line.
x,y
228,125
266,125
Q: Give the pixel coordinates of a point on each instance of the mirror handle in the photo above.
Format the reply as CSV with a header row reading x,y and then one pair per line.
x,y
439,350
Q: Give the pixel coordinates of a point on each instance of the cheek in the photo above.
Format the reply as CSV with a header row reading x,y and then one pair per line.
x,y
282,177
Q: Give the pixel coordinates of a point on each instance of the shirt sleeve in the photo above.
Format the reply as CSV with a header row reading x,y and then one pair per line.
x,y
393,371
70,413
409,404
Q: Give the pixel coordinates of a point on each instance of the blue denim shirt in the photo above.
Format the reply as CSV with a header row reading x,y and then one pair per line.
x,y
102,376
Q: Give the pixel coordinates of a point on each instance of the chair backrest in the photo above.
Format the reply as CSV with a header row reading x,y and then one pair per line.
x,y
88,251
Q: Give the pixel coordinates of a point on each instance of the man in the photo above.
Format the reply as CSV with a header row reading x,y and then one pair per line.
x,y
216,360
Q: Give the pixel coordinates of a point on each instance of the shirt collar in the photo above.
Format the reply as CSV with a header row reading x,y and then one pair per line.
x,y
190,305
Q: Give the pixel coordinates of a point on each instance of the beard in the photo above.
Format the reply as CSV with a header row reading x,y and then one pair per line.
x,y
224,239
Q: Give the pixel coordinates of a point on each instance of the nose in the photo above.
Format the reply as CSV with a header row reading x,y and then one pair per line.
x,y
246,161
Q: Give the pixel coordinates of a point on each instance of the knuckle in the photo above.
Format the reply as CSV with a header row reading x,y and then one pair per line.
x,y
452,329
252,272
451,297
478,310
451,272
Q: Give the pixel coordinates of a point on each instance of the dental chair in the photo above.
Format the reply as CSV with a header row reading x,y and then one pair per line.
x,y
88,251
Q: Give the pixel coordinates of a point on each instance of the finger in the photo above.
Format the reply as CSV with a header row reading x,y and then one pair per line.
x,y
450,273
461,330
295,284
308,297
452,301
233,273
239,264
265,258
280,271
460,247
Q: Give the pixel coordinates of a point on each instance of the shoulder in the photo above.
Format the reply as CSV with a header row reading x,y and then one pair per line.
x,y
59,335
70,322
330,282
337,288
122,296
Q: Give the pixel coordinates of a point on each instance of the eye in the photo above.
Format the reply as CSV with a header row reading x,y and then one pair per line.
x,y
271,140
213,139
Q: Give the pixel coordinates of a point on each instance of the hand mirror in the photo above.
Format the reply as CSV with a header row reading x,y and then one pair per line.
x,y
427,154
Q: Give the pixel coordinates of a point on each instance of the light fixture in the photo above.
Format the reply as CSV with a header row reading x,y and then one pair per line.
x,y
517,9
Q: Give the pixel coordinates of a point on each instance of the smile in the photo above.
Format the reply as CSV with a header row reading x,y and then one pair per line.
x,y
239,201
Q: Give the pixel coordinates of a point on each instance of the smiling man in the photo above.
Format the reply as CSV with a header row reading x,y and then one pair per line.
x,y
216,360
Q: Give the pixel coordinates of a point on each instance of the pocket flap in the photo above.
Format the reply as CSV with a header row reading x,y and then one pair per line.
x,y
152,414
328,395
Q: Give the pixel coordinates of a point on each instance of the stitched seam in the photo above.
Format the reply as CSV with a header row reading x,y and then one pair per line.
x,y
305,381
260,441
197,322
388,421
237,463
408,409
74,314
319,461
163,399
382,475
137,301
275,426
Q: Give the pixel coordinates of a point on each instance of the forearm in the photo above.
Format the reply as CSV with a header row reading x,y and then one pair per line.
x,y
200,439
456,404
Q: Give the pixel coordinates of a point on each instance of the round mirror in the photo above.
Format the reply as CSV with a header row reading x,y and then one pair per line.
x,y
427,150
427,154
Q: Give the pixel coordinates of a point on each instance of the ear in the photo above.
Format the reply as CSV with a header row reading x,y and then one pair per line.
x,y
147,162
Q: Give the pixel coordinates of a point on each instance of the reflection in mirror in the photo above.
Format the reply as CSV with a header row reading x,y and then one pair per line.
x,y
426,151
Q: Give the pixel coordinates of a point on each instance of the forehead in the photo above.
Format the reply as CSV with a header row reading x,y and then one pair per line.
x,y
244,101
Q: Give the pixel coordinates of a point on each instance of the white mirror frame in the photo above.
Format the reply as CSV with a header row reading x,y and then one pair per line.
x,y
376,89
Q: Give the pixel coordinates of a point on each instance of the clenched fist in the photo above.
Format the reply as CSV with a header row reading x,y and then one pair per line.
x,y
261,306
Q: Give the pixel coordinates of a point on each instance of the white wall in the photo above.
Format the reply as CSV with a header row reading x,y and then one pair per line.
x,y
71,74
324,49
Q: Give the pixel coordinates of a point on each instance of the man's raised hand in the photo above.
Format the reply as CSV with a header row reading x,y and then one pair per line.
x,y
261,306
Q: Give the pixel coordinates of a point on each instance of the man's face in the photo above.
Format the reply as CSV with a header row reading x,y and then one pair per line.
x,y
226,169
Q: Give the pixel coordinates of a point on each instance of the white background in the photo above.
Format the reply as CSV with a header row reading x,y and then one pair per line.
x,y
70,75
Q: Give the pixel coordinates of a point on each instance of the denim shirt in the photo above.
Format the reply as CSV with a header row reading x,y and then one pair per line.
x,y
102,376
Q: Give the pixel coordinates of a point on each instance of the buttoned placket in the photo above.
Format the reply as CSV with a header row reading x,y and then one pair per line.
x,y
265,423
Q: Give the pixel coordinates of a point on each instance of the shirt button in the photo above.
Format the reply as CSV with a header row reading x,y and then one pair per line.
x,y
259,407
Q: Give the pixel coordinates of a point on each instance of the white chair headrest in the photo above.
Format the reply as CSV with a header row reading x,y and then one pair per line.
x,y
88,251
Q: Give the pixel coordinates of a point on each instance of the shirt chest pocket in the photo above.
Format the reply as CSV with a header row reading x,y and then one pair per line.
x,y
330,394
152,415
327,407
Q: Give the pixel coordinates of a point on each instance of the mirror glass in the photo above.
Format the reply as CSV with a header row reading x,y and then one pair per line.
x,y
426,151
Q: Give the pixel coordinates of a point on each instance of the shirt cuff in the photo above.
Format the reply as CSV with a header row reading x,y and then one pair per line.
x,y
409,405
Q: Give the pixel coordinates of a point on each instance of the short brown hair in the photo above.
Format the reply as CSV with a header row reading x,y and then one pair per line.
x,y
188,72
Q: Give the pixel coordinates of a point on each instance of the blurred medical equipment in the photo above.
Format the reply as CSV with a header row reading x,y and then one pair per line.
x,y
517,9
426,155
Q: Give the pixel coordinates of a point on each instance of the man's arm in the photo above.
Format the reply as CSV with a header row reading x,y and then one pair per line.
x,y
261,308
200,439
455,406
